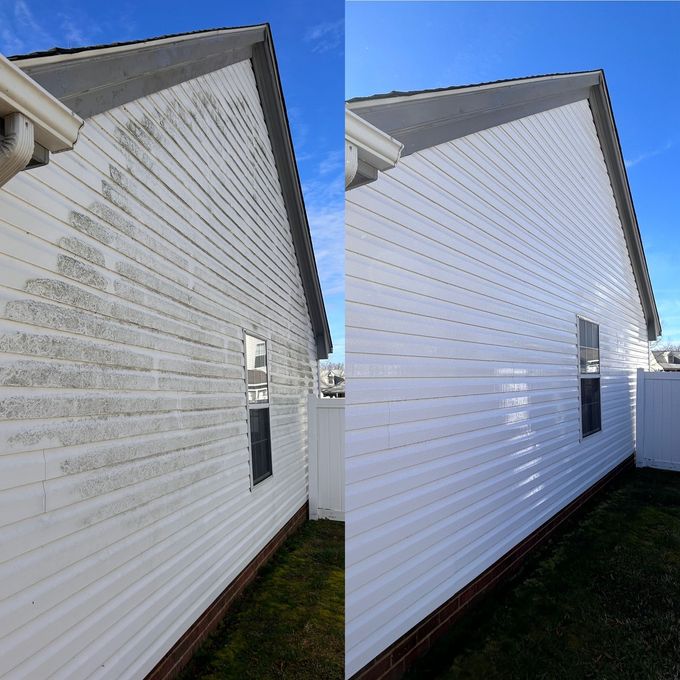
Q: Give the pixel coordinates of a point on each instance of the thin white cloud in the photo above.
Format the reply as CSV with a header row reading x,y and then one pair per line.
x,y
73,31
27,24
326,214
24,30
631,162
10,43
333,162
299,129
325,203
326,36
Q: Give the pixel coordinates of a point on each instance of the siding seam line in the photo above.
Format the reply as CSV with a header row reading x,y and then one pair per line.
x,y
43,480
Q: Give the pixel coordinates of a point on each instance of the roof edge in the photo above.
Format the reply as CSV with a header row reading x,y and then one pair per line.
x,y
603,117
93,81
66,53
450,89
424,119
268,79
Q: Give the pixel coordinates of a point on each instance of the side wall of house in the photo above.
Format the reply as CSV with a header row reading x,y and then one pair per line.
x,y
128,271
466,267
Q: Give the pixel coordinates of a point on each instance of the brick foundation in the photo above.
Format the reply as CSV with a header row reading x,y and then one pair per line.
x,y
393,662
177,658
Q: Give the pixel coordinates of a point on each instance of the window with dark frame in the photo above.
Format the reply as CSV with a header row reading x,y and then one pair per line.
x,y
258,408
589,373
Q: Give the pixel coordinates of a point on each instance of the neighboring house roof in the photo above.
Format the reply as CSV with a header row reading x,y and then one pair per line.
x,y
90,80
335,391
332,382
654,364
668,360
426,118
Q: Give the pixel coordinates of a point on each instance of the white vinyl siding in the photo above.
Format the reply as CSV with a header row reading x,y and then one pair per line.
x,y
128,269
466,267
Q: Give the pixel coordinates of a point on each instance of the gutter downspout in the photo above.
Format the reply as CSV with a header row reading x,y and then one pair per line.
x,y
16,146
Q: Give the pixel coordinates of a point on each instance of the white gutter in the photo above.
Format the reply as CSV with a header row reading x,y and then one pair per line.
x,y
31,116
368,150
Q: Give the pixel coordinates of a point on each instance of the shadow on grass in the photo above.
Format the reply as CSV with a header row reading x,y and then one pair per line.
x,y
601,600
290,622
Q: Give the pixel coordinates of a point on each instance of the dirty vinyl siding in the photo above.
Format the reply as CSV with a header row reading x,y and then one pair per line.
x,y
128,270
466,267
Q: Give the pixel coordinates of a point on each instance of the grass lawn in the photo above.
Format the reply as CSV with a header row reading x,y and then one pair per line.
x,y
290,622
602,600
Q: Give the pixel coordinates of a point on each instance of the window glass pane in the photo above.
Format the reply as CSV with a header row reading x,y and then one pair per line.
x,y
591,415
256,363
593,360
261,355
260,444
589,352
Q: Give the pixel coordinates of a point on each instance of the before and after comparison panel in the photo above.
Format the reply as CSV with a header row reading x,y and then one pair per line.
x,y
339,340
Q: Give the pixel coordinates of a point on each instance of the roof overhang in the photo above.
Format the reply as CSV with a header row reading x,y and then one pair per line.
x,y
424,119
96,79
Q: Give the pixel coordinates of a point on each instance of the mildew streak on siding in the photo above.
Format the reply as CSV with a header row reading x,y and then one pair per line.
x,y
131,266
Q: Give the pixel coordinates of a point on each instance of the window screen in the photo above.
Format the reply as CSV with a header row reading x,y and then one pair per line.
x,y
589,371
258,408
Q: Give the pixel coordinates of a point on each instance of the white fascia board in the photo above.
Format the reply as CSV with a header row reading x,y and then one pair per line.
x,y
370,146
55,126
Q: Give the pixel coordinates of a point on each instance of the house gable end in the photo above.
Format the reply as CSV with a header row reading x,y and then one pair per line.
x,y
91,81
424,119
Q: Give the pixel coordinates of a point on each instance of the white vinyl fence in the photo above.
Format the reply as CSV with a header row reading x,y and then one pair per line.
x,y
658,420
326,458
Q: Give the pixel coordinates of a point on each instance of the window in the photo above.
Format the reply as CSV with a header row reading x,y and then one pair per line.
x,y
258,408
261,354
589,374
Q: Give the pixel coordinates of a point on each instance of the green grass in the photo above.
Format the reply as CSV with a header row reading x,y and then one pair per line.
x,y
290,622
602,600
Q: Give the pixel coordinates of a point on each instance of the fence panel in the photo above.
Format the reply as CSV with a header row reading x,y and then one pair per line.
x,y
326,458
658,420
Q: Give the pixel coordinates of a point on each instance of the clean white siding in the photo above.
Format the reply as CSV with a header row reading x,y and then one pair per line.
x,y
128,269
467,265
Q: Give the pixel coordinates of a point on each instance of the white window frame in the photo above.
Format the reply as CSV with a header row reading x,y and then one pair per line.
x,y
254,406
587,376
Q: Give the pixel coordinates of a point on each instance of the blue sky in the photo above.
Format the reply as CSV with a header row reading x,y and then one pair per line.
x,y
308,37
408,45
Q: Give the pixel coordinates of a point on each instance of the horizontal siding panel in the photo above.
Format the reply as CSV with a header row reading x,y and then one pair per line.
x,y
129,268
467,265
